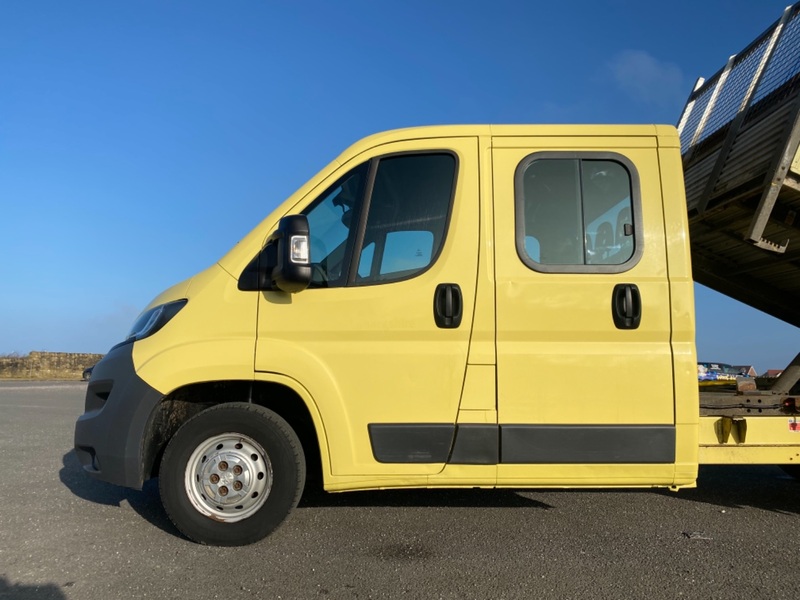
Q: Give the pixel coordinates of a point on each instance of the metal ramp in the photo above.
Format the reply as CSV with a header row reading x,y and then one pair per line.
x,y
740,132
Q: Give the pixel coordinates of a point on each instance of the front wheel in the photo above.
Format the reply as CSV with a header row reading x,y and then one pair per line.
x,y
232,474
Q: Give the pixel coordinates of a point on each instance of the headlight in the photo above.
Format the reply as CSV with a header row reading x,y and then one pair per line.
x,y
154,319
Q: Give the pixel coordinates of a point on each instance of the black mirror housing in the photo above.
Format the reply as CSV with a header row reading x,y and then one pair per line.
x,y
284,264
292,273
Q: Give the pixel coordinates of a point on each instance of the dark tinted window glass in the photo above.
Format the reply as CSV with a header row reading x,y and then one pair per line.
x,y
331,225
577,212
406,220
407,217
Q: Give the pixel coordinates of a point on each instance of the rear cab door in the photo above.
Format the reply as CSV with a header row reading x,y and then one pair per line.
x,y
584,359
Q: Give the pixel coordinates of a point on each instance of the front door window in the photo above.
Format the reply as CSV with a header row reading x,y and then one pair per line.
x,y
404,226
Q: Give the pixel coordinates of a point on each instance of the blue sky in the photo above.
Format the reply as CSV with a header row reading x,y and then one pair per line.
x,y
140,140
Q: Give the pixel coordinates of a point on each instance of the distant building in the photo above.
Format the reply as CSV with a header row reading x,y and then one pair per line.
x,y
773,373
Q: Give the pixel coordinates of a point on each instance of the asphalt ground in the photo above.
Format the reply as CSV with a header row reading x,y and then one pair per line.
x,y
64,535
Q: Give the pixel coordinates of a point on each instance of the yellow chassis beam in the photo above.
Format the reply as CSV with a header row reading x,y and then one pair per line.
x,y
749,440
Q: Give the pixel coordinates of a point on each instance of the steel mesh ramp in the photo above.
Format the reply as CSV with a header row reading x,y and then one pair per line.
x,y
740,132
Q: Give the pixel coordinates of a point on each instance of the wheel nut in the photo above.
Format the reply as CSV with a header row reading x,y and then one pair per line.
x,y
214,478
223,466
237,485
223,491
237,470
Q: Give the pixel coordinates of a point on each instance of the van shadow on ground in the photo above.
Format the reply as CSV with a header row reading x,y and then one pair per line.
x,y
760,487
146,502
18,591
765,487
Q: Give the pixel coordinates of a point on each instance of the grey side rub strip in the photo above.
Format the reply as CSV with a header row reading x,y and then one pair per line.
x,y
522,444
587,444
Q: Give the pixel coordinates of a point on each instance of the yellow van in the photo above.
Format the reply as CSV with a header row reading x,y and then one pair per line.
x,y
477,306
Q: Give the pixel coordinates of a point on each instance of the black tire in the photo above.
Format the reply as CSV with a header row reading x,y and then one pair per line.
x,y
232,474
791,470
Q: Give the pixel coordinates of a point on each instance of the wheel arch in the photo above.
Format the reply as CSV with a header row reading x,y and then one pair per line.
x,y
282,395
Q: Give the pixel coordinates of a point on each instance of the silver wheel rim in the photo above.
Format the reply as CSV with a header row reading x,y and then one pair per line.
x,y
228,477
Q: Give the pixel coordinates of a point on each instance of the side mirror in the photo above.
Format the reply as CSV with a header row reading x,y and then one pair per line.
x,y
292,269
284,262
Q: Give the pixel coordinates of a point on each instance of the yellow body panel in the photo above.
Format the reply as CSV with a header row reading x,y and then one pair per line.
x,y
534,348
588,475
212,340
684,354
557,345
482,346
373,354
479,388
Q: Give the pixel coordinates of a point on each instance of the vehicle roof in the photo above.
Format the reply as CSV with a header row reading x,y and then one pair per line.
x,y
666,133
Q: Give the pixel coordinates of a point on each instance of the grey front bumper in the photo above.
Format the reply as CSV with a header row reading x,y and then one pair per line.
x,y
109,436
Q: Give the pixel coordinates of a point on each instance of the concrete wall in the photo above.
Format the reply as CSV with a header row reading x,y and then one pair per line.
x,y
46,365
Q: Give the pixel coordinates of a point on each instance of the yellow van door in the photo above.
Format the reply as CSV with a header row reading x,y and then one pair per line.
x,y
585,394
379,340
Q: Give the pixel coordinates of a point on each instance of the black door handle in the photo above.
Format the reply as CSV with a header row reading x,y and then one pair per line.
x,y
447,305
626,306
